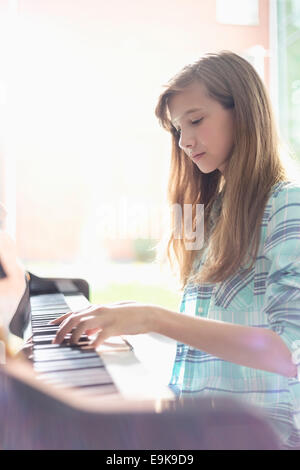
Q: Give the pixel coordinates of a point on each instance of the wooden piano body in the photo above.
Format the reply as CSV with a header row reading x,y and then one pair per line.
x,y
141,413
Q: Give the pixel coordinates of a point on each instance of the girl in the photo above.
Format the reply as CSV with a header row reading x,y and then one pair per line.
x,y
238,328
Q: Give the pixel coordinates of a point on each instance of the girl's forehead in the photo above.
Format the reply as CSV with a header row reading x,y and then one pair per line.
x,y
187,101
193,94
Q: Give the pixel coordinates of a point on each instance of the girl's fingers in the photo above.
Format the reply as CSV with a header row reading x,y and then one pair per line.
x,y
92,331
65,328
58,320
101,337
83,325
72,320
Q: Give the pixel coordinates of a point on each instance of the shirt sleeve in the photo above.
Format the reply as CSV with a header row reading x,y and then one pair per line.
x,y
282,251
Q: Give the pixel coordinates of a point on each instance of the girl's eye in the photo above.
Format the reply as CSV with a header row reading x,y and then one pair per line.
x,y
178,131
197,121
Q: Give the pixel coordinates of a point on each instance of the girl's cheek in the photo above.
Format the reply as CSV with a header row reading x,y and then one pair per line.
x,y
206,134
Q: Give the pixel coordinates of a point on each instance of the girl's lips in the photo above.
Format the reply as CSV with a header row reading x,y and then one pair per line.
x,y
196,157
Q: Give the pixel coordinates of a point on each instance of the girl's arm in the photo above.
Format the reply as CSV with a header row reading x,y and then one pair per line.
x,y
248,346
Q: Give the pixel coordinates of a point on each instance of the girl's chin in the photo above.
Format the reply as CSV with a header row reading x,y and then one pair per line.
x,y
206,170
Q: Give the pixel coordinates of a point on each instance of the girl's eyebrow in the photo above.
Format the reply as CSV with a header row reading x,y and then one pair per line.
x,y
189,111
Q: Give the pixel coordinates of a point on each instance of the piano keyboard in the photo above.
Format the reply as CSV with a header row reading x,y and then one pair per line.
x,y
65,365
116,371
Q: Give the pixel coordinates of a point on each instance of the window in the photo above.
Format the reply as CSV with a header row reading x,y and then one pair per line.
x,y
256,56
288,13
239,12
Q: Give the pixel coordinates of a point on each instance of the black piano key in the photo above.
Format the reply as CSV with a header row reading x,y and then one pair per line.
x,y
47,311
42,315
39,347
44,323
70,350
45,319
47,338
78,378
47,299
36,326
49,306
39,330
67,364
41,324
40,356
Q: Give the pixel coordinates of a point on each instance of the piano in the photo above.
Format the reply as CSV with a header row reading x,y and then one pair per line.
x,y
73,397
116,370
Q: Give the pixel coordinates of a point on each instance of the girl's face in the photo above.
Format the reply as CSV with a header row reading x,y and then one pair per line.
x,y
204,126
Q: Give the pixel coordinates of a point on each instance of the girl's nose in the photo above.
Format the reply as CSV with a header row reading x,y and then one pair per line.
x,y
186,141
187,145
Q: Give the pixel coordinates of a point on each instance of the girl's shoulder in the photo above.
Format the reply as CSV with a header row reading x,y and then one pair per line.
x,y
285,191
283,202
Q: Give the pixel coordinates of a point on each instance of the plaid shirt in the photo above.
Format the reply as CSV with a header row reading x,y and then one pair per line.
x,y
267,297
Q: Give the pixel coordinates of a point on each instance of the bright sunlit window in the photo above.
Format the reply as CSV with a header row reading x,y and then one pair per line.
x,y
238,12
84,162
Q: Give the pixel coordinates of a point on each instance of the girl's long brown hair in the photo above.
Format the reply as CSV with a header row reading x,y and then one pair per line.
x,y
253,167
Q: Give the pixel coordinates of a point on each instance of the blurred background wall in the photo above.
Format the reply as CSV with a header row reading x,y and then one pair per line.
x,y
83,161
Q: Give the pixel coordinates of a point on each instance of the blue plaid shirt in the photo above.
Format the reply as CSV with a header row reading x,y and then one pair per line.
x,y
267,297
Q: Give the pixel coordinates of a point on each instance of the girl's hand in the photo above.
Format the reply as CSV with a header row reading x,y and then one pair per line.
x,y
127,318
